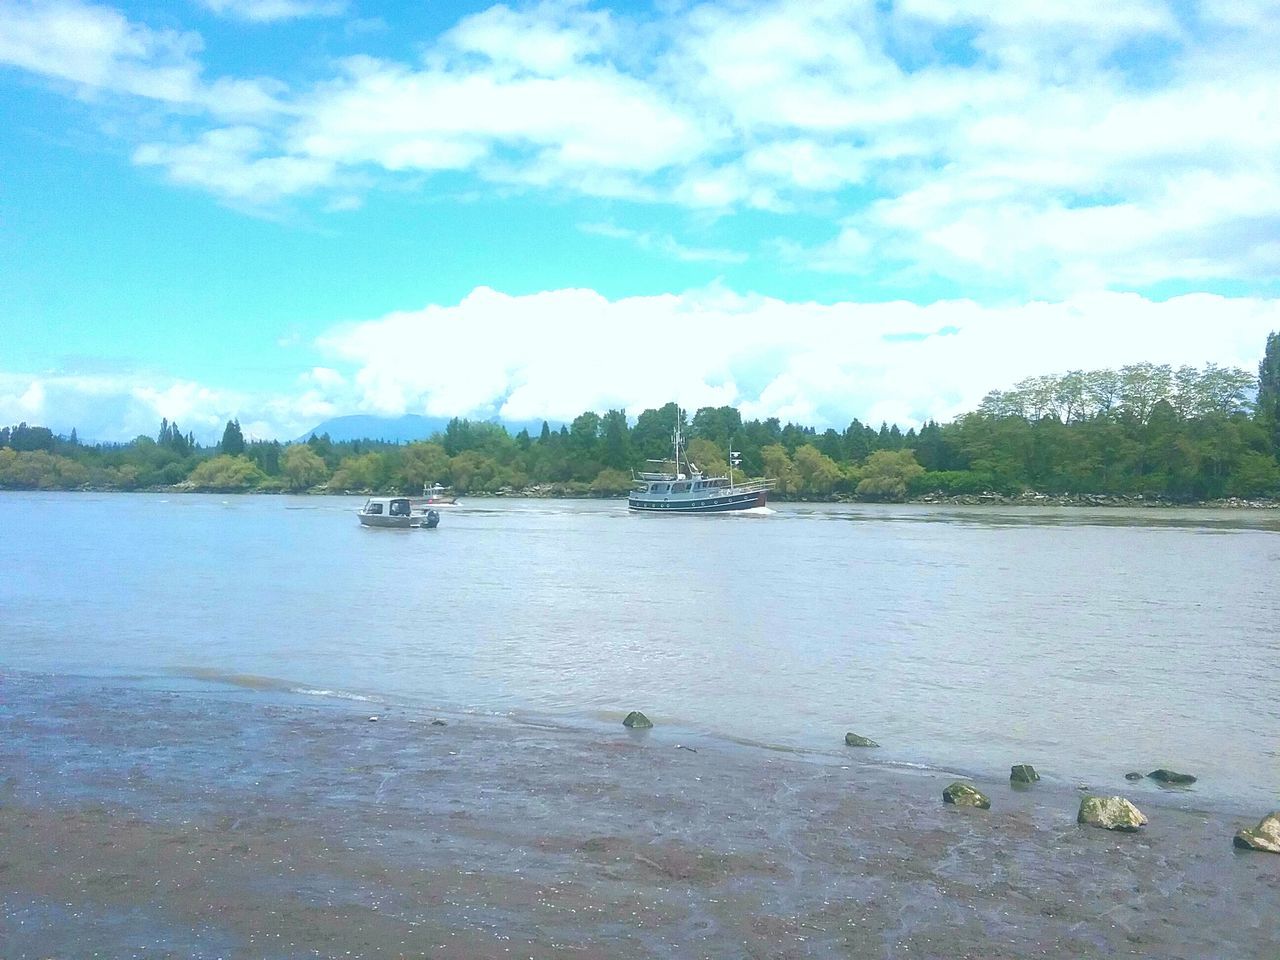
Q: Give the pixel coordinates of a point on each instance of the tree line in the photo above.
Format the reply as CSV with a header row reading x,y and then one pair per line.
x,y
1146,430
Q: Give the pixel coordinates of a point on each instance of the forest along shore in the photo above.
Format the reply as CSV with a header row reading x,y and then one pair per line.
x,y
210,822
1145,431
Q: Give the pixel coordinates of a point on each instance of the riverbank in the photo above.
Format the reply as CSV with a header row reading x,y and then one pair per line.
x,y
199,821
1028,498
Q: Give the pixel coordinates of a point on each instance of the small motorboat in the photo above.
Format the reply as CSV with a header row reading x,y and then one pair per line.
x,y
435,495
396,513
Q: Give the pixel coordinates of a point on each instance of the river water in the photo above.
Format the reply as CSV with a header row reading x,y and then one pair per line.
x,y
1087,642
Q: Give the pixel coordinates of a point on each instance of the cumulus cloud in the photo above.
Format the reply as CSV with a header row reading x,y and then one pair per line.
x,y
97,47
116,408
237,163
1089,148
558,353
97,50
821,364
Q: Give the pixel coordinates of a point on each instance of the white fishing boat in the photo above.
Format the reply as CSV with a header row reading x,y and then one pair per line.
x,y
680,487
436,496
396,513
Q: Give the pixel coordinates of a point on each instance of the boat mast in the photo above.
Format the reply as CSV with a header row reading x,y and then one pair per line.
x,y
675,439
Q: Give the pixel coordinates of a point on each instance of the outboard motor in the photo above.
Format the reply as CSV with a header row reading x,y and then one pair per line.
x,y
433,520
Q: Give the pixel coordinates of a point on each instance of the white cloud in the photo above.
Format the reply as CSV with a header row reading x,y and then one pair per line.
x,y
235,162
592,119
550,40
99,51
97,47
820,364
1056,147
270,11
120,407
557,353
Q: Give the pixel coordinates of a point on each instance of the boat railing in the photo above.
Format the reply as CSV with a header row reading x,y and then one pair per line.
x,y
641,485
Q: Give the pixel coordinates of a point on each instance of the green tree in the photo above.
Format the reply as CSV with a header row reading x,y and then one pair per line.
x,y
1267,409
651,436
610,483
778,467
616,439
711,460
819,474
474,471
1257,475
301,467
422,464
366,471
887,474
226,474
720,425
232,439
40,470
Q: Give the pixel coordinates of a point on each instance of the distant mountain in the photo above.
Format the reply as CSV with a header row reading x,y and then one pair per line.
x,y
404,429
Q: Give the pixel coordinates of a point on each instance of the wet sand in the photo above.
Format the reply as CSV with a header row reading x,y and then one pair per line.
x,y
137,822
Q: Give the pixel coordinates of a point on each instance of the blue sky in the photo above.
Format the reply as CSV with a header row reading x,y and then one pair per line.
x,y
285,210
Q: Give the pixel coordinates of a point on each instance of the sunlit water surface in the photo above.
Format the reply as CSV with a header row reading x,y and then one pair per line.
x,y
1086,642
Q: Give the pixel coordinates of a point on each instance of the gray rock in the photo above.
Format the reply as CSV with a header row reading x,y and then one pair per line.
x,y
437,722
637,721
855,740
1110,813
1023,773
1171,776
963,795
1133,775
1265,836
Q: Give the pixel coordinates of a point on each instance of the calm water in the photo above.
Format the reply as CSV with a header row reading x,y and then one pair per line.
x,y
1086,642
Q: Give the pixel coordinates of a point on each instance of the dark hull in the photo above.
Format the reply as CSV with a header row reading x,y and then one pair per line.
x,y
428,521
737,501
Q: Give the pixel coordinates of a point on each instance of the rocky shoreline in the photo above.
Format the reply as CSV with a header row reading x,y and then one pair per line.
x,y
1031,499
1026,499
145,821
553,492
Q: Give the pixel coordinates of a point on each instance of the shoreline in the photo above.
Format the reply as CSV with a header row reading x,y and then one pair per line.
x,y
1026,499
233,822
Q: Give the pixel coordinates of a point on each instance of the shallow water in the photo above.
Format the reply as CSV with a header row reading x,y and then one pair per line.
x,y
1086,642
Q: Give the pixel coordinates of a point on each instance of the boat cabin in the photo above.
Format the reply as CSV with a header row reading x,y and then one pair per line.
x,y
387,506
682,486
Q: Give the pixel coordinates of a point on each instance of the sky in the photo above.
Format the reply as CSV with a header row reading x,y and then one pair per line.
x,y
287,210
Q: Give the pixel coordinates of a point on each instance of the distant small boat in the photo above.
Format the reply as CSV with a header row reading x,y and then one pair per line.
x,y
396,513
436,496
671,490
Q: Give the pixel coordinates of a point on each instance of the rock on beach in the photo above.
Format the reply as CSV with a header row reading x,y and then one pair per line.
x,y
637,721
856,740
1110,813
1023,773
1171,776
964,795
1265,836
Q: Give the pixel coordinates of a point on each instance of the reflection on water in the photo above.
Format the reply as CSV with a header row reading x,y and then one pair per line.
x,y
1086,641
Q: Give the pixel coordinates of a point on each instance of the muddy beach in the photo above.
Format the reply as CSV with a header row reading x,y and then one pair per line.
x,y
215,822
